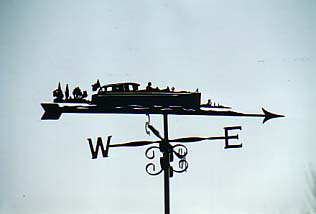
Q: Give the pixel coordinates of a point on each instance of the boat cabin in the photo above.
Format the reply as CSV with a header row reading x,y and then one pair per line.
x,y
127,94
119,87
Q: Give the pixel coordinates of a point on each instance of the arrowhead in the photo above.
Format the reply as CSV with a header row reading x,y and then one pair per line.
x,y
269,115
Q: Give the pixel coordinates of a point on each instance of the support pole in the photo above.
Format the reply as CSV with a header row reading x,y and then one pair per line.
x,y
166,162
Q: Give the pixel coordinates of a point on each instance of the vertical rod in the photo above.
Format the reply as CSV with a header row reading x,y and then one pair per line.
x,y
166,160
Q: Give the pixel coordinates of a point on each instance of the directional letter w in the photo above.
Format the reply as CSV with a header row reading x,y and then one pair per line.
x,y
95,151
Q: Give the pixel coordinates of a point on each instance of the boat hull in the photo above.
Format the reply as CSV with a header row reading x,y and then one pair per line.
x,y
148,99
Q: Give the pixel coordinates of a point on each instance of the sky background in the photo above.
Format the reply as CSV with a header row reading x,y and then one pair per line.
x,y
246,54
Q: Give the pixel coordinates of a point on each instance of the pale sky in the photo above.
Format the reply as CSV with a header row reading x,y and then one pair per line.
x,y
245,54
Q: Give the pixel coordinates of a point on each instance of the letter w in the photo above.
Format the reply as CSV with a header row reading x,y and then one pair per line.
x,y
94,152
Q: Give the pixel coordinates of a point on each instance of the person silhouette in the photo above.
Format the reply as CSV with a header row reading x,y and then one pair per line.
x,y
148,87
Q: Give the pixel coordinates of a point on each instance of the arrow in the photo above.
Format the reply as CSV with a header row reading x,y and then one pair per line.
x,y
53,111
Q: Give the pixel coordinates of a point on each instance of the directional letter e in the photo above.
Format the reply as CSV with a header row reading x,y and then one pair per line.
x,y
227,137
94,152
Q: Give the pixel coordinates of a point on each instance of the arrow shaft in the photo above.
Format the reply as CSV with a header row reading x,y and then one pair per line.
x,y
134,144
197,139
53,108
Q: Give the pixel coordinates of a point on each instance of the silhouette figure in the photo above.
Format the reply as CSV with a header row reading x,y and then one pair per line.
x,y
96,85
148,87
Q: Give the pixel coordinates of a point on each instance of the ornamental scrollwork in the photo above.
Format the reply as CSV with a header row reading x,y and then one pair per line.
x,y
151,168
180,151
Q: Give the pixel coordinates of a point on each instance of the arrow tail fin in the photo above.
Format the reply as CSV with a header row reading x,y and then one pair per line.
x,y
52,111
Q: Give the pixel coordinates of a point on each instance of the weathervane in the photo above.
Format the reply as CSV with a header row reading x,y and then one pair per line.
x,y
127,98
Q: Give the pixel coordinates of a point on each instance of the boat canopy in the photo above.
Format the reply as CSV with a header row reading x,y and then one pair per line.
x,y
120,87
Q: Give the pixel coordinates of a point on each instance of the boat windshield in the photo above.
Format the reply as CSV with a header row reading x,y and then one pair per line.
x,y
123,87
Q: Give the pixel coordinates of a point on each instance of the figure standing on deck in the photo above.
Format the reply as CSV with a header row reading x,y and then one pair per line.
x,y
148,87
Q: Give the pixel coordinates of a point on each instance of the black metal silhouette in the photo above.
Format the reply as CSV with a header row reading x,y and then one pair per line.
x,y
53,111
178,150
96,85
67,92
126,98
58,93
79,96
169,152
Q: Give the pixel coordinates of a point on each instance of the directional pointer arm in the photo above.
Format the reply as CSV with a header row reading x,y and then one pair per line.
x,y
53,111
